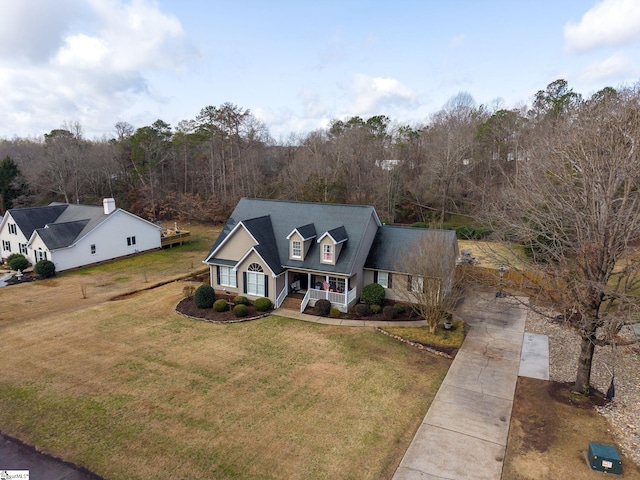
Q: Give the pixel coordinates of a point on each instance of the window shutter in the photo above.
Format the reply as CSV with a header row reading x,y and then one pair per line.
x,y
409,282
375,276
218,274
266,286
244,282
389,280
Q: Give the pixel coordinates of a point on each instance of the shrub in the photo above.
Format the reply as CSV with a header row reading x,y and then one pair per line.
x,y
262,304
45,268
241,310
220,305
419,225
12,256
399,308
375,308
389,312
362,309
240,300
335,313
322,307
17,262
472,232
204,296
373,294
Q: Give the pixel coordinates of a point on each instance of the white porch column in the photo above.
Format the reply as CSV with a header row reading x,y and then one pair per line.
x,y
346,292
326,292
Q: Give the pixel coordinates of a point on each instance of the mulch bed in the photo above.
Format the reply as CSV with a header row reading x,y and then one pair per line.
x,y
408,316
188,308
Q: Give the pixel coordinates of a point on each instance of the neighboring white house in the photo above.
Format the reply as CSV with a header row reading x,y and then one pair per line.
x,y
75,235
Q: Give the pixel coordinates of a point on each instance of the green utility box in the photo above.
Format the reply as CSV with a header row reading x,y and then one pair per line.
x,y
604,458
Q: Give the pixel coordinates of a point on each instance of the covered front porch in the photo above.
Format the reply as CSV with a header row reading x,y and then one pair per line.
x,y
340,291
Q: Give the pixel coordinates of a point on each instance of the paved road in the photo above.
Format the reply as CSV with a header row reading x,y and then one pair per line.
x,y
15,455
464,434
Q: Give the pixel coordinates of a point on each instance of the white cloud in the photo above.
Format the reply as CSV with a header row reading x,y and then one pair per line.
x,y
611,22
372,95
85,64
616,66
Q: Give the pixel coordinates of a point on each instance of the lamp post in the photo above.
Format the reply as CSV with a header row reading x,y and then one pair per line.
x,y
502,270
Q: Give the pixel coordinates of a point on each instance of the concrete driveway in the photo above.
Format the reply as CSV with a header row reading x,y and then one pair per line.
x,y
464,434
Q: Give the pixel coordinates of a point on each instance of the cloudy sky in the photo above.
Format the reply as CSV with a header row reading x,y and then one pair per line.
x,y
296,64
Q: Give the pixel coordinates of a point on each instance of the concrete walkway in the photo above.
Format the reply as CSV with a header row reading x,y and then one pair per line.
x,y
464,434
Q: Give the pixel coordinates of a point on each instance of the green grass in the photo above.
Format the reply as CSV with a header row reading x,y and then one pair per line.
x,y
442,338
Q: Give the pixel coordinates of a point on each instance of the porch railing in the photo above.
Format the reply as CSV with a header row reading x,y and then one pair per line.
x,y
305,301
281,296
351,296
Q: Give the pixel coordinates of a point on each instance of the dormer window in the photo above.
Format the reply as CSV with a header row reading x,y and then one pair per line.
x,y
327,253
296,249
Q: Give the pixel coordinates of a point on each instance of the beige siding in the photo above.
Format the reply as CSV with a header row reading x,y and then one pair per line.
x,y
296,237
327,241
253,257
236,246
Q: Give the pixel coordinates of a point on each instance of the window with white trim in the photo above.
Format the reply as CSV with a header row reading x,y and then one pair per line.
x,y
6,245
296,249
131,241
93,249
22,247
227,276
383,279
337,284
41,255
13,229
417,284
255,280
327,252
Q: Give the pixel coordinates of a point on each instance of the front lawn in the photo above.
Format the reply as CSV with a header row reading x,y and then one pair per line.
x,y
131,390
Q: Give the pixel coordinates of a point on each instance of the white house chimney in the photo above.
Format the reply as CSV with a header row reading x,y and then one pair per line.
x,y
109,205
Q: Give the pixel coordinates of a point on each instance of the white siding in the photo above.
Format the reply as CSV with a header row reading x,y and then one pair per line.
x,y
15,239
110,239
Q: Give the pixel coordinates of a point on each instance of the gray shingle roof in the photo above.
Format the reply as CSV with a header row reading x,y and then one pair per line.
x,y
285,216
391,241
29,219
60,235
307,232
66,222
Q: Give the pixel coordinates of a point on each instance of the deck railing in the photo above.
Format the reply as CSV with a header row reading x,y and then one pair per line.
x,y
305,301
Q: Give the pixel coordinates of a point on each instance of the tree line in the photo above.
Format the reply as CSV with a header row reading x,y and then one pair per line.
x,y
198,169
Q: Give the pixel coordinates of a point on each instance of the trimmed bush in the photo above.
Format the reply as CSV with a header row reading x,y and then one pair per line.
x,y
17,262
204,296
399,308
362,309
389,312
241,310
375,308
335,313
220,305
241,300
45,268
262,304
373,294
12,256
322,307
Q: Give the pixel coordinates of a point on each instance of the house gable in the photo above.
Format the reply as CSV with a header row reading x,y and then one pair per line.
x,y
300,240
237,244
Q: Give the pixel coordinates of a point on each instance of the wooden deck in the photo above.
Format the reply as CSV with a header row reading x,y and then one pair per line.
x,y
170,238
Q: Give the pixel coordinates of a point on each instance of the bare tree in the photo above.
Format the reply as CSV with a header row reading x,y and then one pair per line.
x,y
429,287
577,210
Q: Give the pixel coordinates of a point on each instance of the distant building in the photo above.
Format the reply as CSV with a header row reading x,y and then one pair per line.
x,y
75,235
